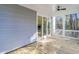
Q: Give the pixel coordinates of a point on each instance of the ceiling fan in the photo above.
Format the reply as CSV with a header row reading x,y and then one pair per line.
x,y
60,8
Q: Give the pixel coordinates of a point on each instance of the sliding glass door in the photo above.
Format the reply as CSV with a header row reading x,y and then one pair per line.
x,y
43,26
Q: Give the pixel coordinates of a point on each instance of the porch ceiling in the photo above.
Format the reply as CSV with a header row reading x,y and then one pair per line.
x,y
42,9
50,9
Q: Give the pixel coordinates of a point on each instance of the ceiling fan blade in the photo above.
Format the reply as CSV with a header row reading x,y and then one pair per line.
x,y
63,9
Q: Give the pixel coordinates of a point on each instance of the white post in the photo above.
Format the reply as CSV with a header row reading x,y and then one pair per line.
x,y
37,27
64,25
42,27
47,28
54,25
50,26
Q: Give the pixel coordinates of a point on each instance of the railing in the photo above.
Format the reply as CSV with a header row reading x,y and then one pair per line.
x,y
72,33
59,32
67,33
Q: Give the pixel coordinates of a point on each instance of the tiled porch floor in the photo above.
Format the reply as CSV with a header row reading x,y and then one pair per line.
x,y
49,46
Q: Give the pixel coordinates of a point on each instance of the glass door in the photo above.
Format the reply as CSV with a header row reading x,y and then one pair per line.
x,y
39,26
43,27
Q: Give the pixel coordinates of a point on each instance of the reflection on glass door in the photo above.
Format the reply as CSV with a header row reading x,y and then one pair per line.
x,y
48,26
44,25
39,26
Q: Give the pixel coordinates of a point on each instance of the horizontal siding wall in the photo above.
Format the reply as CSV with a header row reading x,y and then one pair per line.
x,y
17,27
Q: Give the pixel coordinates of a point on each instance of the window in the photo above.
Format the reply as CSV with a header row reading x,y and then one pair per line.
x,y
77,21
59,23
67,24
71,24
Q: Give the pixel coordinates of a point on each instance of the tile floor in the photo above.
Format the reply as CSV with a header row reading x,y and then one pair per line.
x,y
49,46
